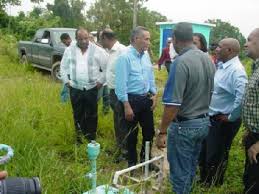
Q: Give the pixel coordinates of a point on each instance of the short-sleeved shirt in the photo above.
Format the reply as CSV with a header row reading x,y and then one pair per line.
x,y
190,83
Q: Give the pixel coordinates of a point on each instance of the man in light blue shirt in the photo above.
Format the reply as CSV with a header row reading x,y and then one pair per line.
x,y
136,90
225,111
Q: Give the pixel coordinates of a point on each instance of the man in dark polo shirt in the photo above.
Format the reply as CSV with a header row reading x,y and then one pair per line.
x,y
186,98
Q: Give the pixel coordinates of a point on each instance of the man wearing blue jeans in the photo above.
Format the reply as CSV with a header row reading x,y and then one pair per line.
x,y
186,98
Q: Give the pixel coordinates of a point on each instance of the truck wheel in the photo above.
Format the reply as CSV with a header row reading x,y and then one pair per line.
x,y
55,72
23,60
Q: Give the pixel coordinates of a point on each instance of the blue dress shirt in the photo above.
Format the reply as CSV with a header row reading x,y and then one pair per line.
x,y
229,87
133,74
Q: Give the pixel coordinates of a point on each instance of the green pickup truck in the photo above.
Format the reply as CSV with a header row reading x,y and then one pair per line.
x,y
45,51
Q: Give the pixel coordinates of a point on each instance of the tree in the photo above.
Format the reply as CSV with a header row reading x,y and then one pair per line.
x,y
118,15
224,30
3,3
70,12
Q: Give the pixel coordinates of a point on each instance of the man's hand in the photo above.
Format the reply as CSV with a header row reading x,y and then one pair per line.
x,y
129,114
252,153
222,118
153,98
99,85
161,140
68,84
3,175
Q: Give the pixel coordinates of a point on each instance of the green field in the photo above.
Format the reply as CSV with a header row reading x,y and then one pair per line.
x,y
40,129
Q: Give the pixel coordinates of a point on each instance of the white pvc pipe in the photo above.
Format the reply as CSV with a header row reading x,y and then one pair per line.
x,y
118,173
147,150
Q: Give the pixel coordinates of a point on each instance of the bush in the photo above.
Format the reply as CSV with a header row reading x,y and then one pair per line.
x,y
8,46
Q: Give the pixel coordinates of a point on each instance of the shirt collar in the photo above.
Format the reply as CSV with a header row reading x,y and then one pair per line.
x,y
135,52
229,62
185,49
115,46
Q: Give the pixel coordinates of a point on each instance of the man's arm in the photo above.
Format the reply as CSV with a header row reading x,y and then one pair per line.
x,y
65,66
240,81
169,114
102,59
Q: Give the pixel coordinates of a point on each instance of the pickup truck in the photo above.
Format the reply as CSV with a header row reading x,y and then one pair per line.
x,y
45,51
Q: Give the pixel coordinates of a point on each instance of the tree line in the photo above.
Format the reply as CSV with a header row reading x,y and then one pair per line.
x,y
117,14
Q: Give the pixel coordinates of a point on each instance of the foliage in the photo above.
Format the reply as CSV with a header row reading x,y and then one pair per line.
x,y
118,15
70,12
41,131
226,30
24,27
8,46
3,3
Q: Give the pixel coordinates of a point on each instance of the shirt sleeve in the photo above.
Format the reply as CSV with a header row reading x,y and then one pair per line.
x,y
176,83
152,82
121,78
162,58
64,67
102,58
239,83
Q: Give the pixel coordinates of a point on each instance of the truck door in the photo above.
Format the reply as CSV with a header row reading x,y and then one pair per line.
x,y
35,47
45,50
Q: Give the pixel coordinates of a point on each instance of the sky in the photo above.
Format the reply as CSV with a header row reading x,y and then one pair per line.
x,y
243,14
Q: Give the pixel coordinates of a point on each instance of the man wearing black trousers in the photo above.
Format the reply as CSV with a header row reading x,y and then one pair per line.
x,y
80,72
136,90
225,111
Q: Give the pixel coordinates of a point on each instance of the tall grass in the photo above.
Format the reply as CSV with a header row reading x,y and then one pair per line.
x,y
41,131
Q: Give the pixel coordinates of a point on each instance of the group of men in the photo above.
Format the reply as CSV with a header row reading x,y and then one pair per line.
x,y
203,107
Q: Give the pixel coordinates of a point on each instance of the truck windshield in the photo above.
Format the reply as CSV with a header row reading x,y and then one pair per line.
x,y
57,35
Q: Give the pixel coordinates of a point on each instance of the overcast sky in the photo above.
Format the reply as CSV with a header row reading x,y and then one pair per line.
x,y
243,14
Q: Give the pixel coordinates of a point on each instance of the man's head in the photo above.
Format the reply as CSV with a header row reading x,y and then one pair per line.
x,y
252,44
65,39
227,49
168,42
107,38
140,38
82,38
182,36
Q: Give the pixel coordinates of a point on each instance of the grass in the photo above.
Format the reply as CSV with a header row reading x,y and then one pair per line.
x,y
40,129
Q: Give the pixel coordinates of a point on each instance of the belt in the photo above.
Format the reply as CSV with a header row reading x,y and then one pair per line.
x,y
181,118
149,95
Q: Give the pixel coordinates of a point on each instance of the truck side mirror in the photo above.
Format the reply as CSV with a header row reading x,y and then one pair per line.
x,y
44,41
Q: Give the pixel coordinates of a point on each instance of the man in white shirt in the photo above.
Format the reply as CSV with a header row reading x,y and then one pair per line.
x,y
80,72
114,48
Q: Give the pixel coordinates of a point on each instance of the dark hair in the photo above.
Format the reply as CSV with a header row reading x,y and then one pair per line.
x,y
183,31
64,36
79,29
203,41
109,34
137,31
213,46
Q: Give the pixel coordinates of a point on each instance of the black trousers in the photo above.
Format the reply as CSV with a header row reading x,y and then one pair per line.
x,y
118,119
141,106
251,173
84,104
167,65
215,151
